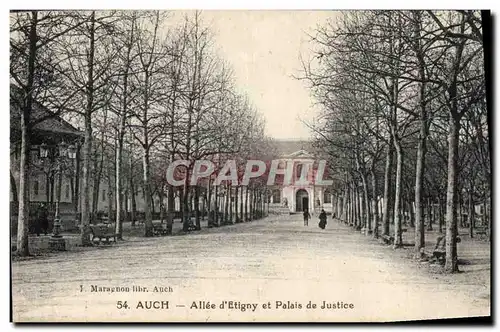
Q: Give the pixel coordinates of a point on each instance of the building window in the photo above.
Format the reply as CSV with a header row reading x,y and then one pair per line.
x,y
327,197
35,187
103,195
67,191
299,170
276,196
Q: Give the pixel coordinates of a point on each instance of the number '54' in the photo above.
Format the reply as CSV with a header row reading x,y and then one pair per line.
x,y
122,305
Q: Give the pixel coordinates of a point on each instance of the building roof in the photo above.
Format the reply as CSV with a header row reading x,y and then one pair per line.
x,y
286,147
42,117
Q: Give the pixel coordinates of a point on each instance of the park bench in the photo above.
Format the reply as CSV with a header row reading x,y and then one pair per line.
x,y
482,232
439,252
388,239
103,231
158,229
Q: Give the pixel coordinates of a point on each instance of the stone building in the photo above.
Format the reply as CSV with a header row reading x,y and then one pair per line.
x,y
296,196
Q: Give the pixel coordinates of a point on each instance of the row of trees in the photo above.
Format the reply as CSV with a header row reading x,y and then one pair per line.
x,y
404,120
138,83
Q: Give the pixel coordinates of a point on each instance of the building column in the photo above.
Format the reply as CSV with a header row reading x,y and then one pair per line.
x,y
311,200
283,196
321,197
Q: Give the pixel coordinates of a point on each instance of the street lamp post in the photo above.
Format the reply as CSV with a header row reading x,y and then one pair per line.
x,y
57,241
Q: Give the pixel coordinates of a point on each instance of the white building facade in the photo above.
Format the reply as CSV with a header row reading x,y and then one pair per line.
x,y
296,196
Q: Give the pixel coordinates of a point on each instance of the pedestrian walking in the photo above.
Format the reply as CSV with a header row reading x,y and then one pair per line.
x,y
306,217
322,219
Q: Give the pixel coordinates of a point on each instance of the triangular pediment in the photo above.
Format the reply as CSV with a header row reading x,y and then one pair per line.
x,y
301,154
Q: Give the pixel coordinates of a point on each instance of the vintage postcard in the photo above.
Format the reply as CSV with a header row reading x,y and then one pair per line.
x,y
250,165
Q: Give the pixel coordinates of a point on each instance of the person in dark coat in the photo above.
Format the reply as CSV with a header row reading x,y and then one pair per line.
x,y
43,220
306,217
322,219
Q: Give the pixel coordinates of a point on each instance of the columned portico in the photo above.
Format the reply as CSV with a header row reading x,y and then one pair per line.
x,y
303,189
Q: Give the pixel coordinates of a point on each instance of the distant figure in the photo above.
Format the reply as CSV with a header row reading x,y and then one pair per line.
x,y
322,219
42,224
306,217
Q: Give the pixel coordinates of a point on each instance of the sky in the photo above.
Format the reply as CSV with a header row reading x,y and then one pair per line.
x,y
263,48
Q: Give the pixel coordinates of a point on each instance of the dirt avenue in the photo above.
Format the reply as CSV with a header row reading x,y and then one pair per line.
x,y
250,165
275,261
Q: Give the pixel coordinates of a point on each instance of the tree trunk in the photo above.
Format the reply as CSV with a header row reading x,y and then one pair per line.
x,y
110,194
242,217
411,211
216,205
440,215
374,203
422,139
148,217
24,170
227,203
355,214
209,202
133,207
162,207
345,204
76,192
170,209
419,191
352,209
126,205
359,208
119,188
398,235
13,188
255,197
24,185
197,206
483,216
236,216
87,147
246,203
98,166
231,203
121,136
451,264
153,204
185,204
181,205
387,189
428,216
470,214
85,205
366,198
203,206
250,204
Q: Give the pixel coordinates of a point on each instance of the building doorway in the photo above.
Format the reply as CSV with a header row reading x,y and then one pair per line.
x,y
302,199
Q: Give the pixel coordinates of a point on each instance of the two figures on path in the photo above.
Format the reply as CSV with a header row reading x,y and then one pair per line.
x,y
322,218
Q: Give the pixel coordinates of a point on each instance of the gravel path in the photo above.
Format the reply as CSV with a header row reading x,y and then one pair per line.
x,y
267,270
